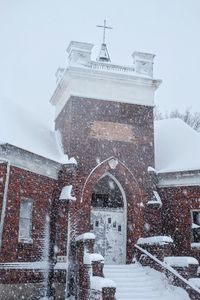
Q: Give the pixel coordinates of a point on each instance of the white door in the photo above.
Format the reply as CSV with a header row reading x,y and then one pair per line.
x,y
108,225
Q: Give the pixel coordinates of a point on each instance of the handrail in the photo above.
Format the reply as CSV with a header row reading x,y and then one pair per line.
x,y
168,267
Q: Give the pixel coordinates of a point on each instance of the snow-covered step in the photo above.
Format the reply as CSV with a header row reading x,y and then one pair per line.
x,y
195,281
135,282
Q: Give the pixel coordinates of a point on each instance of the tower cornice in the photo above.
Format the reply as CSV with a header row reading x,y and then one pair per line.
x,y
84,77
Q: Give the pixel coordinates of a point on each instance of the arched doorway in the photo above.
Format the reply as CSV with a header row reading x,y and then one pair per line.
x,y
109,219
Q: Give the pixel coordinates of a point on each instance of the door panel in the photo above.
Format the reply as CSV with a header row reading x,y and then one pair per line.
x,y
108,225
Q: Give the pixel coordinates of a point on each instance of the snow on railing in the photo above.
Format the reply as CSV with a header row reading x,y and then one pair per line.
x,y
168,267
155,240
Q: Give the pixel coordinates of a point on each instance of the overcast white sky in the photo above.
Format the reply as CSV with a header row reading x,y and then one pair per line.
x,y
34,35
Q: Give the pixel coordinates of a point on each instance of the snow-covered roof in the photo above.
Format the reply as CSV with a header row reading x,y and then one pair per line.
x,y
177,146
20,128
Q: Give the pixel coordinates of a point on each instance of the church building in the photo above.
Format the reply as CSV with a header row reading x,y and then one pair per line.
x,y
108,189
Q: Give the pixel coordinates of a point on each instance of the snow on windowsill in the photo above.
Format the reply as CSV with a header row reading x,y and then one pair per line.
x,y
195,226
181,261
195,246
151,202
35,265
25,241
61,266
155,240
98,283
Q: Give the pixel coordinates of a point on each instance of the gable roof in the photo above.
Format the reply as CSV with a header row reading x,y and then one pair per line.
x,y
20,128
177,146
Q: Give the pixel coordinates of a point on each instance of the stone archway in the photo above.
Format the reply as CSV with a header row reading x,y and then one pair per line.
x,y
133,198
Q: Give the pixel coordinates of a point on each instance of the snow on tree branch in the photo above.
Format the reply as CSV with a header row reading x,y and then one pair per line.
x,y
189,117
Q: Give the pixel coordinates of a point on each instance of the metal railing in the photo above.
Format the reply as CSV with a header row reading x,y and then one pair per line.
x,y
168,268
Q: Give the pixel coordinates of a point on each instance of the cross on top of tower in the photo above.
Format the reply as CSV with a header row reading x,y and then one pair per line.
x,y
103,54
104,30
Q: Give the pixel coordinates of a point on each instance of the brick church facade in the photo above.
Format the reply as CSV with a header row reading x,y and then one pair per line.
x,y
114,187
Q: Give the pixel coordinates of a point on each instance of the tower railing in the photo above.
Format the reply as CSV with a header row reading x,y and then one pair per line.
x,y
111,67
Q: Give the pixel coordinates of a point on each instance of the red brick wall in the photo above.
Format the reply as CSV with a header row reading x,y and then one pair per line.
x,y
23,183
60,211
79,123
176,215
3,171
75,123
154,220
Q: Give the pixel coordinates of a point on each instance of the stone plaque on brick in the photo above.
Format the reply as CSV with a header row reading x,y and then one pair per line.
x,y
112,131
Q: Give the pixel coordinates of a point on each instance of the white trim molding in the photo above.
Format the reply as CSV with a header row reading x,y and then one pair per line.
x,y
5,193
104,84
179,179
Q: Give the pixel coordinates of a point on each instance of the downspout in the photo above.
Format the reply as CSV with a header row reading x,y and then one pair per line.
x,y
3,212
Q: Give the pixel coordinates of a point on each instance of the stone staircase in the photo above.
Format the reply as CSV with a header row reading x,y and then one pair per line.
x,y
135,282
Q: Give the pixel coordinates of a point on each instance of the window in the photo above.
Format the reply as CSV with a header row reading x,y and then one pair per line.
x,y
25,221
106,193
119,228
196,226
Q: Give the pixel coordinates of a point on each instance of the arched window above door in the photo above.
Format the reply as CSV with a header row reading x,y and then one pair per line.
x,y
106,193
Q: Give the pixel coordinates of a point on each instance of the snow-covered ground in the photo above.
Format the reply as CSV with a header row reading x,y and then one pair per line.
x,y
135,282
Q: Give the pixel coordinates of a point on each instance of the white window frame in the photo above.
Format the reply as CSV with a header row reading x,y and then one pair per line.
x,y
192,221
23,220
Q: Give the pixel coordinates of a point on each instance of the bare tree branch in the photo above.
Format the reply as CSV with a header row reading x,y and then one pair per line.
x,y
189,117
